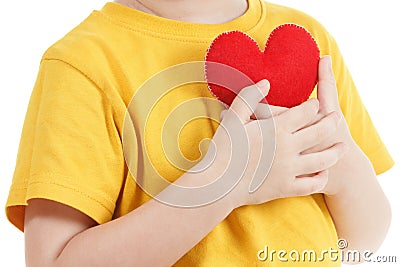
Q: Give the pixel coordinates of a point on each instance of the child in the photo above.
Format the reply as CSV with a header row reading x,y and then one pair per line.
x,y
79,203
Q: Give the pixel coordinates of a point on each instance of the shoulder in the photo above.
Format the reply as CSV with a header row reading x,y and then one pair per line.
x,y
97,50
279,14
83,47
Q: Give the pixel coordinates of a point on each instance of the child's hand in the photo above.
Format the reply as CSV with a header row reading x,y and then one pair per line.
x,y
328,99
279,141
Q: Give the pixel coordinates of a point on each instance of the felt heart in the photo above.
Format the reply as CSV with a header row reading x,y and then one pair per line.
x,y
289,62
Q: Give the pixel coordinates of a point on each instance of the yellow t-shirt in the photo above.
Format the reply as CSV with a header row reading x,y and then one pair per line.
x,y
71,147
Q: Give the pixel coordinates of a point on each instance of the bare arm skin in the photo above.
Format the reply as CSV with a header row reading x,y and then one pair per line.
x,y
153,235
156,234
359,207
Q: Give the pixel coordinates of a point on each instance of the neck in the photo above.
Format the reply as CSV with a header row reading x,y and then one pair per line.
x,y
196,11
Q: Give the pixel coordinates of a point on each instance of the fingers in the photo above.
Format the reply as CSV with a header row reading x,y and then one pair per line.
x,y
262,112
318,132
319,161
299,116
265,111
222,114
245,103
310,185
327,92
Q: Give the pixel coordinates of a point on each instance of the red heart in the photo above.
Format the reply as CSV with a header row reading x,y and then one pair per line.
x,y
289,62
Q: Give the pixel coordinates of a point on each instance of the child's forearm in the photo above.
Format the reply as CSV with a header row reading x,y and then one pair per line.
x,y
154,234
360,210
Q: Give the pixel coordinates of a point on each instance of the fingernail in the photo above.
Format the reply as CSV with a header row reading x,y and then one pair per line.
x,y
263,85
329,61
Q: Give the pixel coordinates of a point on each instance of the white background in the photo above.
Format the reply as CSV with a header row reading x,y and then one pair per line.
x,y
365,30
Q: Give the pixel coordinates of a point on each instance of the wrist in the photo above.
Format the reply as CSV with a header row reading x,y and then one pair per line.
x,y
343,177
207,183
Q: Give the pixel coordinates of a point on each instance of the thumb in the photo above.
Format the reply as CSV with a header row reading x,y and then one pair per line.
x,y
245,103
327,91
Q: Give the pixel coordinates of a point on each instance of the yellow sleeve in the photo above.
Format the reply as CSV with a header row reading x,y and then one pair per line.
x,y
356,115
70,150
